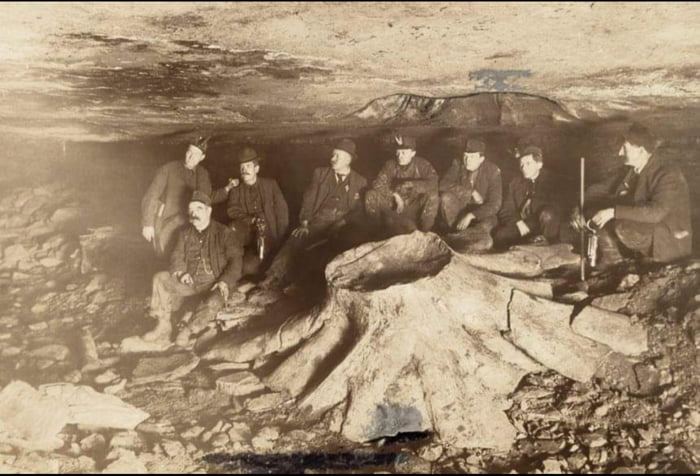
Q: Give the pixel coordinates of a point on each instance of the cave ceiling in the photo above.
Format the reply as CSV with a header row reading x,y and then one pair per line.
x,y
114,71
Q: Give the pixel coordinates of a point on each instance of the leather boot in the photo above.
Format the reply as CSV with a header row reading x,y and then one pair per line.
x,y
608,249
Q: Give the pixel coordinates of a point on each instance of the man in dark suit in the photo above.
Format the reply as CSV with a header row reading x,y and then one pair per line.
x,y
258,212
644,210
404,196
331,218
470,197
206,263
530,212
164,206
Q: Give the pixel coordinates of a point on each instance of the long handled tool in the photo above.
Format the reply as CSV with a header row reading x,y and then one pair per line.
x,y
583,229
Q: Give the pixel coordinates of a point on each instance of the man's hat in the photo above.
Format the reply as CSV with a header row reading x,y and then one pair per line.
x,y
405,142
475,145
247,154
348,146
534,151
199,196
201,143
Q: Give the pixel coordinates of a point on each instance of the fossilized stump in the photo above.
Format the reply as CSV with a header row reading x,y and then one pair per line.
x,y
413,338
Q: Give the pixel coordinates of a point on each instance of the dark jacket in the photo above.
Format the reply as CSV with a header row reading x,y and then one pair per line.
x,y
275,210
516,196
172,189
321,186
660,197
417,178
225,253
488,183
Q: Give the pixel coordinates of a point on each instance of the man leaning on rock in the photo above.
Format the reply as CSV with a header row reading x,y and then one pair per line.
x,y
206,263
641,212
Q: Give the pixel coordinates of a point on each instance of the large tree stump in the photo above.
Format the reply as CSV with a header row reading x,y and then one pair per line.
x,y
412,338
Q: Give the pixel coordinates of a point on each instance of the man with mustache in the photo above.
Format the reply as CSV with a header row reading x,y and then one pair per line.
x,y
206,263
641,211
404,196
258,211
164,206
330,220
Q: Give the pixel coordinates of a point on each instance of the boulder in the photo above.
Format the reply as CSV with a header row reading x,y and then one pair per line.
x,y
127,463
30,419
54,352
239,384
90,408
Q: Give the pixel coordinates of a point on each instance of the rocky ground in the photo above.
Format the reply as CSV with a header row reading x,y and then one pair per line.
x,y
68,299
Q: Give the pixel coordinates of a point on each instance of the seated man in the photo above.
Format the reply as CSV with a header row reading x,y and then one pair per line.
x,y
530,211
643,210
470,196
206,263
258,212
330,220
404,196
164,206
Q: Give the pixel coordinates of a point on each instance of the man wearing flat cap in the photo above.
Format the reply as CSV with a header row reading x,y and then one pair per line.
x,y
205,263
404,196
258,212
641,211
164,207
531,211
330,217
470,197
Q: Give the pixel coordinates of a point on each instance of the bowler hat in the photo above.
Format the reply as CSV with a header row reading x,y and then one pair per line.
x,y
475,145
405,142
200,196
348,146
201,143
247,154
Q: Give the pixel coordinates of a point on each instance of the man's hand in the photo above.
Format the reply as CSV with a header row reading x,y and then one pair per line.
x,y
465,222
149,233
577,221
232,183
522,228
186,279
301,230
223,289
477,198
400,204
601,218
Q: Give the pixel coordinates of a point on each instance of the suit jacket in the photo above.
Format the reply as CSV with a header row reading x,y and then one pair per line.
x,y
321,186
516,196
660,198
274,207
172,189
488,183
225,253
417,178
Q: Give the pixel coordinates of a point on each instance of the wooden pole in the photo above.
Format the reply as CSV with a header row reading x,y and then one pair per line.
x,y
583,230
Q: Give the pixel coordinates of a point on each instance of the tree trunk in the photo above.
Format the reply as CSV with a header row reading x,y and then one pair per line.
x,y
413,338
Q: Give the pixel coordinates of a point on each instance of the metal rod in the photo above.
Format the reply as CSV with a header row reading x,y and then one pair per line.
x,y
583,230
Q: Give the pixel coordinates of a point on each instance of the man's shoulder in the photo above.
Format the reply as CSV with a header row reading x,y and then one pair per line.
x,y
490,168
423,162
267,182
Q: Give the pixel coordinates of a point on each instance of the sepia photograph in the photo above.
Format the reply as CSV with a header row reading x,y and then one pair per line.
x,y
349,237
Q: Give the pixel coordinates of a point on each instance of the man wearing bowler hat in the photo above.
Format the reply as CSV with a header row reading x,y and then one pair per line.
x,y
470,197
205,263
404,196
258,212
164,206
330,219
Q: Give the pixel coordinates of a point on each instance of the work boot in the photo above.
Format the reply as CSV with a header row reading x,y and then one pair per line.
x,y
162,331
608,250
